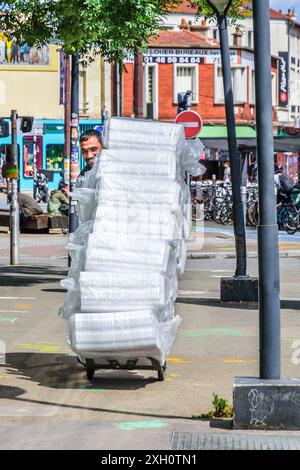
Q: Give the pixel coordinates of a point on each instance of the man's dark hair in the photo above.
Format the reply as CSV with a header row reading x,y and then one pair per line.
x,y
86,135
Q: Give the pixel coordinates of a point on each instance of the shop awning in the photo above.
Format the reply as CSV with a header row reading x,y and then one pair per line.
x,y
220,132
281,144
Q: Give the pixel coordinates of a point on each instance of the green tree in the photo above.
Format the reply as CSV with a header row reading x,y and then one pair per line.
x,y
107,27
235,12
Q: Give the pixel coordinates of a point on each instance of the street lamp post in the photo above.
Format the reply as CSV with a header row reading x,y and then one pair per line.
x,y
267,231
221,8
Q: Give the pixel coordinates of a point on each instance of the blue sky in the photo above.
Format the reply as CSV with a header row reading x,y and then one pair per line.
x,y
284,5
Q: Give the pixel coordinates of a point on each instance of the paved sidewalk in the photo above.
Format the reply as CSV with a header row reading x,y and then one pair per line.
x,y
46,401
217,241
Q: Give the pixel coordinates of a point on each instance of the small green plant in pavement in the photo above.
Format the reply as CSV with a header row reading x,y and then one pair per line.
x,y
221,409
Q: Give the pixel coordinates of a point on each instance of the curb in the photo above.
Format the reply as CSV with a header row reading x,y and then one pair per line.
x,y
252,254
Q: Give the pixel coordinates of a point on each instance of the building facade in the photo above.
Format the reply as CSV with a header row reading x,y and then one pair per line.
x,y
187,59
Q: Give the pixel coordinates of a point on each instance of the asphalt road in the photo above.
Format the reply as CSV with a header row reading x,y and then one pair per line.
x,y
46,401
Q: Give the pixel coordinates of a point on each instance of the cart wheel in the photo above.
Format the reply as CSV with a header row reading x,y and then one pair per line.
x,y
90,369
161,374
90,374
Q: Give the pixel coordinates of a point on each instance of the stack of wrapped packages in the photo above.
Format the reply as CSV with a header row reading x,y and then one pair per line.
x,y
130,246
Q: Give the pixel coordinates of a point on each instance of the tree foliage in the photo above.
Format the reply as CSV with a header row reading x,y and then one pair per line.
x,y
108,27
235,12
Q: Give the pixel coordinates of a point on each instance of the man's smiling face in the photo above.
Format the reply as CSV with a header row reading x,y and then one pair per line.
x,y
90,148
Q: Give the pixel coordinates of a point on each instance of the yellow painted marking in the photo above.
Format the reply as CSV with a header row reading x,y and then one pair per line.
x,y
25,306
43,348
3,376
291,340
238,361
289,246
171,377
176,360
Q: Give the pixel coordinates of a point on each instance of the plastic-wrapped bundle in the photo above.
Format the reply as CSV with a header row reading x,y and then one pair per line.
x,y
72,298
122,133
137,333
182,258
136,213
80,235
135,156
117,254
141,230
173,200
77,254
143,168
109,291
142,186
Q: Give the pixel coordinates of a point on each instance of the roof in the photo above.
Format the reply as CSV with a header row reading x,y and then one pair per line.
x,y
182,38
274,15
184,7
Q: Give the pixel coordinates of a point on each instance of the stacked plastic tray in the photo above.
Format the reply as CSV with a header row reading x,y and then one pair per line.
x,y
130,245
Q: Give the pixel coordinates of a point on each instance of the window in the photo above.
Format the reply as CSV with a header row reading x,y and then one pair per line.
x,y
151,91
239,84
274,90
55,157
216,34
252,86
250,34
32,152
186,78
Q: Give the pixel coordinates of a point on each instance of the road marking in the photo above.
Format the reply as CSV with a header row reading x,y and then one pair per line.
x,y
43,347
212,332
219,270
8,319
131,425
19,298
190,292
11,311
176,360
24,306
239,361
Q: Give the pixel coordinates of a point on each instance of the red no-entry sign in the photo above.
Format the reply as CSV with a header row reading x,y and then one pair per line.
x,y
191,121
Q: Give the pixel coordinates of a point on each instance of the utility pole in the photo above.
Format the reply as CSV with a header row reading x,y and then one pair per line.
x,y
74,164
267,230
67,120
118,70
138,86
14,205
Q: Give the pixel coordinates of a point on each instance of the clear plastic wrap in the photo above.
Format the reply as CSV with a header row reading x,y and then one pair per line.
x,y
86,202
191,156
139,185
122,333
144,134
110,291
129,247
117,254
168,171
77,254
72,298
81,234
182,258
116,196
135,156
170,231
